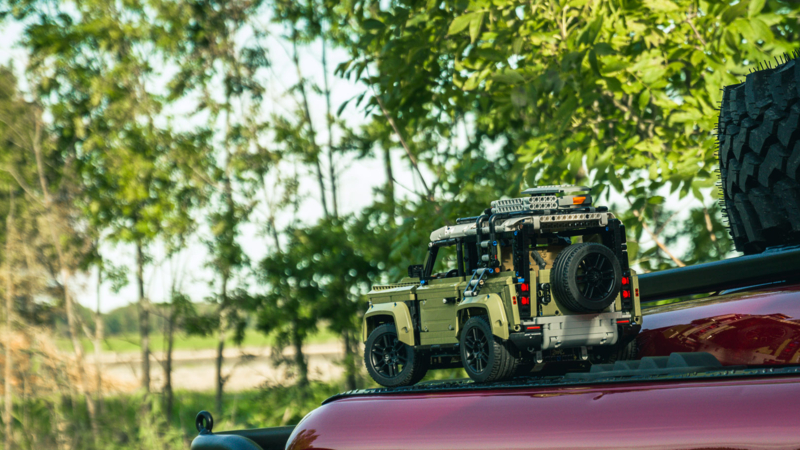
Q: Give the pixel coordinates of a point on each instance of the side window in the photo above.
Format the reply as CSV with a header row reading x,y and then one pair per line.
x,y
446,260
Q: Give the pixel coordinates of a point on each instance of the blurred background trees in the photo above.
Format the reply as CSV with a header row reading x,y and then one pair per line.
x,y
157,126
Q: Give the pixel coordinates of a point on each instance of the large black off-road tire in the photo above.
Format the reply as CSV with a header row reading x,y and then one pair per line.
x,y
484,356
390,362
586,277
759,158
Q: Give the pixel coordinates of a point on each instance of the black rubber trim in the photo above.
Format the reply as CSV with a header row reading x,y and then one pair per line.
x,y
209,441
770,266
273,438
562,381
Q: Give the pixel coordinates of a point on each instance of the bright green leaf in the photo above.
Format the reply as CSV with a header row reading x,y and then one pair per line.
x,y
755,7
460,23
475,27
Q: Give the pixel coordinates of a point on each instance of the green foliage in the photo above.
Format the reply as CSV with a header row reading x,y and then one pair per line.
x,y
91,67
621,95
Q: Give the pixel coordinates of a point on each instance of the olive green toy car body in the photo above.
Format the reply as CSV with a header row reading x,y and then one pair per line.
x,y
532,280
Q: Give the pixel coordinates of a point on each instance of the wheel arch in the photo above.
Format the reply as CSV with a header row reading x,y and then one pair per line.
x,y
394,312
490,305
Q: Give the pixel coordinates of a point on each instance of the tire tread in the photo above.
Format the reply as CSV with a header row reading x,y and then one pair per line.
x,y
759,155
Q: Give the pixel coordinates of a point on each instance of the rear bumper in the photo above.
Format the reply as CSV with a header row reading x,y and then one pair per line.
x,y
570,331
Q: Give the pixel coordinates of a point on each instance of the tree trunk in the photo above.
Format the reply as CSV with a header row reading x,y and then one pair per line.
x,y
387,163
8,399
299,359
349,361
329,116
221,344
168,364
98,342
72,319
220,360
307,116
144,318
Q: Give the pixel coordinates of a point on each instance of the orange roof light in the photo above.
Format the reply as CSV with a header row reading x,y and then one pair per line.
x,y
578,200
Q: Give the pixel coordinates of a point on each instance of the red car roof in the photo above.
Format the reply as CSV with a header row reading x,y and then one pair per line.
x,y
756,328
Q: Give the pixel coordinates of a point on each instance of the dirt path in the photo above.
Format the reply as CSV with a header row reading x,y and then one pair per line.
x,y
247,368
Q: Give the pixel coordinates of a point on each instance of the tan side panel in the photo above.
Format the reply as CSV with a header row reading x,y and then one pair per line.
x,y
550,309
637,300
396,294
401,316
493,304
437,318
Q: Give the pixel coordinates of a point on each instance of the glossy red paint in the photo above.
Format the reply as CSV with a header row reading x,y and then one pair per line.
x,y
752,414
760,328
743,413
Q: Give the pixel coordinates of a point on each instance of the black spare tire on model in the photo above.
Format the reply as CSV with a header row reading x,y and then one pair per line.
x,y
586,277
390,362
759,157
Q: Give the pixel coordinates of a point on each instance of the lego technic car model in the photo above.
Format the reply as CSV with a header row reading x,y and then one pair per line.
x,y
535,279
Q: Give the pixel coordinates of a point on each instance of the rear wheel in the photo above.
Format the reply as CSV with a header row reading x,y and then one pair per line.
x,y
759,158
586,277
390,362
484,356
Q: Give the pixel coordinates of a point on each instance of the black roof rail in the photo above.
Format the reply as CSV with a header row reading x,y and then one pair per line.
x,y
774,265
273,438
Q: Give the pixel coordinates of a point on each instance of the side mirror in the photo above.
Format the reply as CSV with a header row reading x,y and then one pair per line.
x,y
416,270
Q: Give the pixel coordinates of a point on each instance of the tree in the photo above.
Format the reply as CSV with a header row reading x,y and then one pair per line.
x,y
342,277
287,311
619,95
42,175
210,58
92,65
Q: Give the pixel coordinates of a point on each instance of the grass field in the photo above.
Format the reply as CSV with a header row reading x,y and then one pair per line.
x,y
131,343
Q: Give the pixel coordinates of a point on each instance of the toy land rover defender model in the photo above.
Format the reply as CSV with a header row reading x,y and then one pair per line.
x,y
535,279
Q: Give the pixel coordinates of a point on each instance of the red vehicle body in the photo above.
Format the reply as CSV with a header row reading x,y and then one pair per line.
x,y
755,328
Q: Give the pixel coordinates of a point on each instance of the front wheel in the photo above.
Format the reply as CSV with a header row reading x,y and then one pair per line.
x,y
390,362
485,357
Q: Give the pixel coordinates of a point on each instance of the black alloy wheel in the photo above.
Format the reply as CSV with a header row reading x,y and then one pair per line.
x,y
586,277
485,357
476,349
391,362
595,277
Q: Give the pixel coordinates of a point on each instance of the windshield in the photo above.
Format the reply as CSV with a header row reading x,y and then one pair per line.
x,y
443,261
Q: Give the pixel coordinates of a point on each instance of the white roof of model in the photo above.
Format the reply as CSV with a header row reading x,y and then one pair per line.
x,y
551,222
556,189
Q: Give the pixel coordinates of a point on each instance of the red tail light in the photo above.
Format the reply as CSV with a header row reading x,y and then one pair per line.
x,y
626,294
524,300
525,287
626,281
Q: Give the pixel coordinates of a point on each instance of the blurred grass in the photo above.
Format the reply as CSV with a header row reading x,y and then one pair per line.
x,y
138,422
131,342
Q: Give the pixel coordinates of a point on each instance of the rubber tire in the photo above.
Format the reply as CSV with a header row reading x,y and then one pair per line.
x,y
563,278
502,362
411,374
759,158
